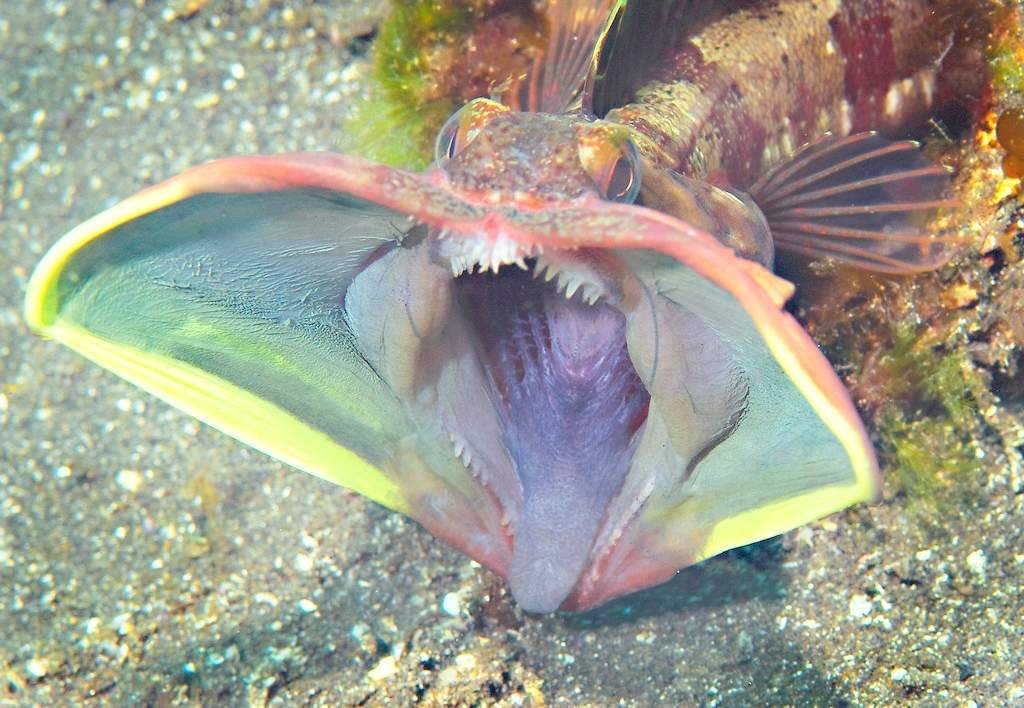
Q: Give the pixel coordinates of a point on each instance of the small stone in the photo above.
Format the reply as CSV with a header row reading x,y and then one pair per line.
x,y
303,562
465,662
307,606
37,668
207,100
976,562
860,605
129,480
899,675
451,605
122,624
265,598
385,669
646,636
25,157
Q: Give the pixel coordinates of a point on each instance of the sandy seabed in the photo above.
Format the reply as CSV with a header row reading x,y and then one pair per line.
x,y
145,558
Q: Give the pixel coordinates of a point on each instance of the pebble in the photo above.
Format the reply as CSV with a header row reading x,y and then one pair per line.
x,y
385,669
37,668
860,605
976,562
303,562
28,154
207,100
129,480
451,605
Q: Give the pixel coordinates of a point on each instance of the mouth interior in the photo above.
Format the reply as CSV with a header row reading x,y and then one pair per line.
x,y
570,405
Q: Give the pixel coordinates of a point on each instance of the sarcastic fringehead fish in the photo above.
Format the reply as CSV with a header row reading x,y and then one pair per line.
x,y
561,349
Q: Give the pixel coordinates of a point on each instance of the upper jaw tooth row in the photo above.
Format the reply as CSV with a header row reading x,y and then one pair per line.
x,y
570,275
484,254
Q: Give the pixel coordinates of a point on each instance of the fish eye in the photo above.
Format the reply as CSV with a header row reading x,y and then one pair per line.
x,y
447,144
613,162
462,126
623,182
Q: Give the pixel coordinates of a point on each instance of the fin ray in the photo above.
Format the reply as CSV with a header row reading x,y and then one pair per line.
x,y
557,74
861,199
639,36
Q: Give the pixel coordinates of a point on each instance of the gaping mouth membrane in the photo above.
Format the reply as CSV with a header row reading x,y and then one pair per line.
x,y
568,406
565,382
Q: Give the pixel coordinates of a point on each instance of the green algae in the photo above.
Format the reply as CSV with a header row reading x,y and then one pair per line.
x,y
935,467
406,105
1006,54
925,420
432,56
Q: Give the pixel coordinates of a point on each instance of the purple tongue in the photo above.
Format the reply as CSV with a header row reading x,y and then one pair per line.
x,y
569,402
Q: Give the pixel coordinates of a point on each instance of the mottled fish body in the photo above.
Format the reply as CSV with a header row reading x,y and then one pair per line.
x,y
751,86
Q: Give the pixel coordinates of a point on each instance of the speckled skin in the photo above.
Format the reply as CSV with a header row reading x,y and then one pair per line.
x,y
745,90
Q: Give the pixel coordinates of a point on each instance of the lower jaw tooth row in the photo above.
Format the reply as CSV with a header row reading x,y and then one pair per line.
x,y
568,281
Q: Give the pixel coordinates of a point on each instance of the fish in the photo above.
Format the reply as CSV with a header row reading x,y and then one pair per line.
x,y
562,348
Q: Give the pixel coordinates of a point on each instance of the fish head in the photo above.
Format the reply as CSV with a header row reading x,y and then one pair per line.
x,y
582,394
493,155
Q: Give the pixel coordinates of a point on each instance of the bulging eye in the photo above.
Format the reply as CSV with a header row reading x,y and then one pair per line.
x,y
623,181
462,126
447,144
613,162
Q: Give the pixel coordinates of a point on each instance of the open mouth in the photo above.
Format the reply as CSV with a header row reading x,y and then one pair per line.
x,y
566,383
568,403
584,420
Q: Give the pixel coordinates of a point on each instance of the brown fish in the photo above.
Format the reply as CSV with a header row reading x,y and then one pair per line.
x,y
562,349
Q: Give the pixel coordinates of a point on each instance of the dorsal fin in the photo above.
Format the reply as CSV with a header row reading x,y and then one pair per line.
x,y
640,35
553,82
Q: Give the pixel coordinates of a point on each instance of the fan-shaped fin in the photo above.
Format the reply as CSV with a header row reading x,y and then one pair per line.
x,y
556,76
863,200
640,37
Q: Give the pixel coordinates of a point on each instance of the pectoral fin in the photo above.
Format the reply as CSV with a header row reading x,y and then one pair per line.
x,y
862,200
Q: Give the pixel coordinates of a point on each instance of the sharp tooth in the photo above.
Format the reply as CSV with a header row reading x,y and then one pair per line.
x,y
571,288
549,273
